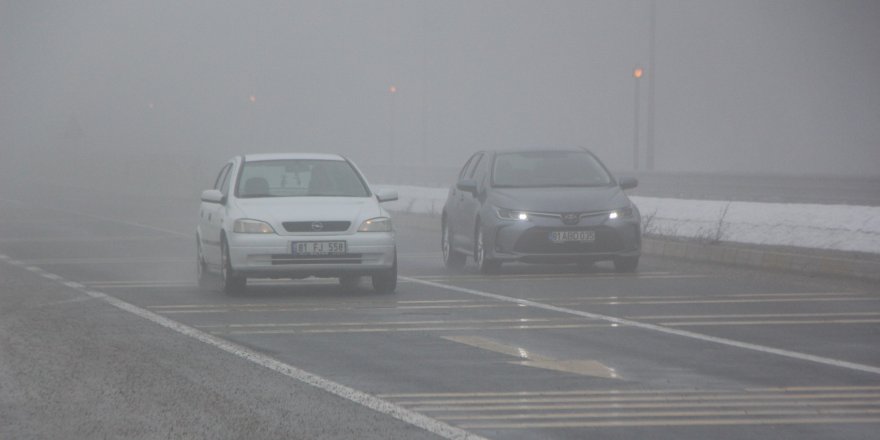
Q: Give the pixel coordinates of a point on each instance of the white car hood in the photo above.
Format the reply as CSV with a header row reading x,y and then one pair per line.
x,y
276,210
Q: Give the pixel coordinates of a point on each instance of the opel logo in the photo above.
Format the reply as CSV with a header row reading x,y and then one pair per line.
x,y
317,226
571,218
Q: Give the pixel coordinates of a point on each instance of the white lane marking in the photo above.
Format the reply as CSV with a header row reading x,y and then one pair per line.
x,y
429,424
769,322
389,323
676,422
660,329
405,329
757,315
586,367
625,392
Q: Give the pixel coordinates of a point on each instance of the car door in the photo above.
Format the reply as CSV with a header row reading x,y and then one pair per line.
x,y
453,204
210,218
469,205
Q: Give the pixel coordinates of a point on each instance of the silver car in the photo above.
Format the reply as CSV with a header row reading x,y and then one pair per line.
x,y
295,215
539,206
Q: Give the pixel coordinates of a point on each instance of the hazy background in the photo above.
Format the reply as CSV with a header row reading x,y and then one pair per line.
x,y
138,90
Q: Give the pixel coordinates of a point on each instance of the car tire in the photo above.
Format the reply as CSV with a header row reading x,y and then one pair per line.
x,y
230,282
486,265
386,281
349,282
201,267
626,264
452,259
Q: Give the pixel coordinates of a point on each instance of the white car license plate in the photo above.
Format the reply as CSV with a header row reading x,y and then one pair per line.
x,y
318,248
573,236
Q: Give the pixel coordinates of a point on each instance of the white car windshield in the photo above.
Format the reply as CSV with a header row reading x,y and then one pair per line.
x,y
548,169
300,178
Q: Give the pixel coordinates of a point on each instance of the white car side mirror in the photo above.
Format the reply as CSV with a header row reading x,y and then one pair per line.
x,y
213,196
386,195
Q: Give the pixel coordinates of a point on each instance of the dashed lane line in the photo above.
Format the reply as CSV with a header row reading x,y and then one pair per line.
x,y
757,315
629,408
770,322
660,329
386,329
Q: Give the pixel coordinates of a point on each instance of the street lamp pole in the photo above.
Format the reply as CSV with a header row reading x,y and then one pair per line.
x,y
649,136
637,74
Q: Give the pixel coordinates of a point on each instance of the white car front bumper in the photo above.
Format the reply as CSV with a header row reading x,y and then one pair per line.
x,y
270,256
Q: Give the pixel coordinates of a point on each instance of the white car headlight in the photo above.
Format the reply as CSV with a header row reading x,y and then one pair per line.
x,y
378,224
621,213
248,226
509,214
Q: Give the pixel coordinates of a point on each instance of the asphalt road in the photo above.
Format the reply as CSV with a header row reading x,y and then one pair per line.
x,y
103,334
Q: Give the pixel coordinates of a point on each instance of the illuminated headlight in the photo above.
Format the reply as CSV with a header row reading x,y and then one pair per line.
x,y
621,213
509,214
247,226
378,224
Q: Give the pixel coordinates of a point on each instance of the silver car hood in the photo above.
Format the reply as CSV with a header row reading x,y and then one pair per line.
x,y
559,199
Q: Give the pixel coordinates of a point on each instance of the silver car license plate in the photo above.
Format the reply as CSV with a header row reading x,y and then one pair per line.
x,y
573,236
318,248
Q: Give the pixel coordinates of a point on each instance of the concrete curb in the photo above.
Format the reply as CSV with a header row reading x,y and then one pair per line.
x,y
758,257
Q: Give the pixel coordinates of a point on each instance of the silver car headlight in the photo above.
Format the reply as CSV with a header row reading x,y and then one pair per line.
x,y
509,214
250,226
378,224
621,213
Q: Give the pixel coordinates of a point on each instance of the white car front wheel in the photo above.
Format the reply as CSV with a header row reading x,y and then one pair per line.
x,y
230,282
386,281
201,266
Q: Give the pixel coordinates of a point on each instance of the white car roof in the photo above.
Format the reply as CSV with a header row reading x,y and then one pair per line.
x,y
282,156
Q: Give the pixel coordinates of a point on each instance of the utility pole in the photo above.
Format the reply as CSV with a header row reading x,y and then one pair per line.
x,y
652,73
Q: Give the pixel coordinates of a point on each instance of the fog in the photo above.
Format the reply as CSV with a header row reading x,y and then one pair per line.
x,y
138,90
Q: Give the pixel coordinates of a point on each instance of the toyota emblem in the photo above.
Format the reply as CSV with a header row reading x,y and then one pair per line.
x,y
571,218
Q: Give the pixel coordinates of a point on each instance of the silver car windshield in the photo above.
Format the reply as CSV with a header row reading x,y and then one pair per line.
x,y
300,178
548,169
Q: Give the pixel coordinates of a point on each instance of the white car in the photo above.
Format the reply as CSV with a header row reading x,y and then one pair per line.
x,y
295,215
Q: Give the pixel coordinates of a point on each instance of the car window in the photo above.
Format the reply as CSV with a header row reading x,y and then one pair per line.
x,y
550,168
464,169
476,165
300,178
224,186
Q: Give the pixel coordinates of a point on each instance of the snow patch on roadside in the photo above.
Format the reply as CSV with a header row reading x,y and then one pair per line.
x,y
832,227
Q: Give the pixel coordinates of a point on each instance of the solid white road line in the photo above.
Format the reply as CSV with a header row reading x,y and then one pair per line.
x,y
658,328
385,407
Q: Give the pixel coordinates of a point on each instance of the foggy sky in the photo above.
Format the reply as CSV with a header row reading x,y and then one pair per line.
x,y
785,86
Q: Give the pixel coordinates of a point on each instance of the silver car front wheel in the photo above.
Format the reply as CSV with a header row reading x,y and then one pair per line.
x,y
452,259
485,264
